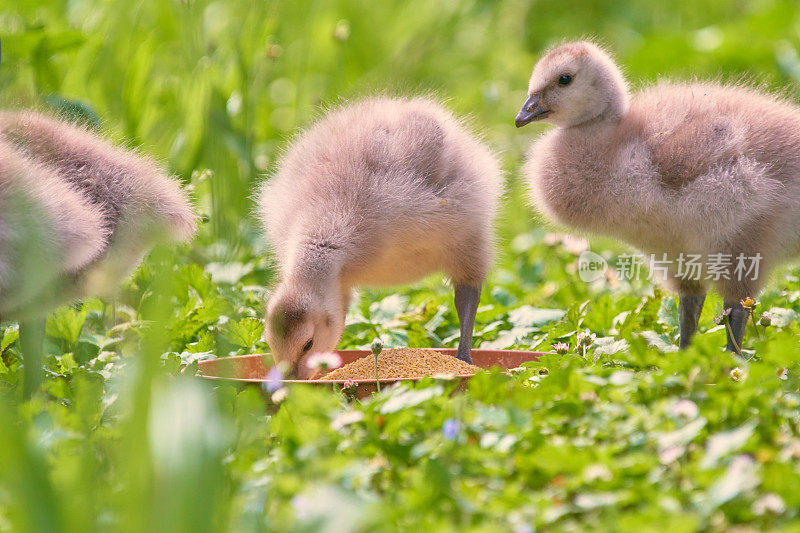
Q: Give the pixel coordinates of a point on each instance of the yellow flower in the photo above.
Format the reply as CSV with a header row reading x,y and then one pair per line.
x,y
749,302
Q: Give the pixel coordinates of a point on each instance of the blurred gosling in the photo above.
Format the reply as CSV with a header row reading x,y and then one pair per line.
x,y
77,214
380,192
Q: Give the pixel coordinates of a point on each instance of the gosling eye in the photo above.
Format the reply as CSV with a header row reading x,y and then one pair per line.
x,y
308,345
565,79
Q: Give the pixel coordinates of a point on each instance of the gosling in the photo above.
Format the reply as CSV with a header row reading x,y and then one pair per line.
x,y
686,172
77,215
380,192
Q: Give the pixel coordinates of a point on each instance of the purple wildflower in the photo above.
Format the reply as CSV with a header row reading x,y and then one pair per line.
x,y
561,348
723,317
450,429
274,379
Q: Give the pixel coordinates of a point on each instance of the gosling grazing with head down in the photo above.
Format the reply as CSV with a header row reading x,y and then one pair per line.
x,y
77,215
695,173
380,192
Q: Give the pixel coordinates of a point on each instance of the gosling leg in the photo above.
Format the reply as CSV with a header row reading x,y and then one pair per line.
x,y
467,298
738,322
689,308
31,336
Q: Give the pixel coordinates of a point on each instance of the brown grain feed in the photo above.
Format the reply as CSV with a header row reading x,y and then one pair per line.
x,y
402,363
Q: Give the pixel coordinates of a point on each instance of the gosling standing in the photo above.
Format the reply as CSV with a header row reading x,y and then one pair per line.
x,y
380,192
679,170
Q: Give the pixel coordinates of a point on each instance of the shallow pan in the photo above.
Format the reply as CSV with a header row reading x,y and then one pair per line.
x,y
251,368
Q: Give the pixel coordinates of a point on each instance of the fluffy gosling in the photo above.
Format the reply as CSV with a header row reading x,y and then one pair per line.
x,y
380,192
677,170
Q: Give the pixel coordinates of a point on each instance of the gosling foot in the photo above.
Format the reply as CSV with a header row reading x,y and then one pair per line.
x,y
467,298
689,308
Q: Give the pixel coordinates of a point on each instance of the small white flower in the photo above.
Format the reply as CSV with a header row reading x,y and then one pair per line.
x,y
551,239
597,471
341,31
377,346
574,245
670,454
685,408
586,338
324,360
279,395
783,374
378,462
791,450
346,418
588,396
770,503
738,374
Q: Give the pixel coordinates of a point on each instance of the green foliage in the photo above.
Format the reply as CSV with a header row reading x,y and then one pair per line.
x,y
245,333
630,437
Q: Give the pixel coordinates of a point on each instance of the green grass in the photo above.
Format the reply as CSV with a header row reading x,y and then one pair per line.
x,y
631,437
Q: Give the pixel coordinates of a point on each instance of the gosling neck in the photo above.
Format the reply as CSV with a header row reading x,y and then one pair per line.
x,y
608,119
615,103
316,269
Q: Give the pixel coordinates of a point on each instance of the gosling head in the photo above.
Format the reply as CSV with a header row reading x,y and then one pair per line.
x,y
298,326
573,84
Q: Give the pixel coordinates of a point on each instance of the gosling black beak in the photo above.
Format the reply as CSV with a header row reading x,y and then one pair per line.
x,y
531,110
